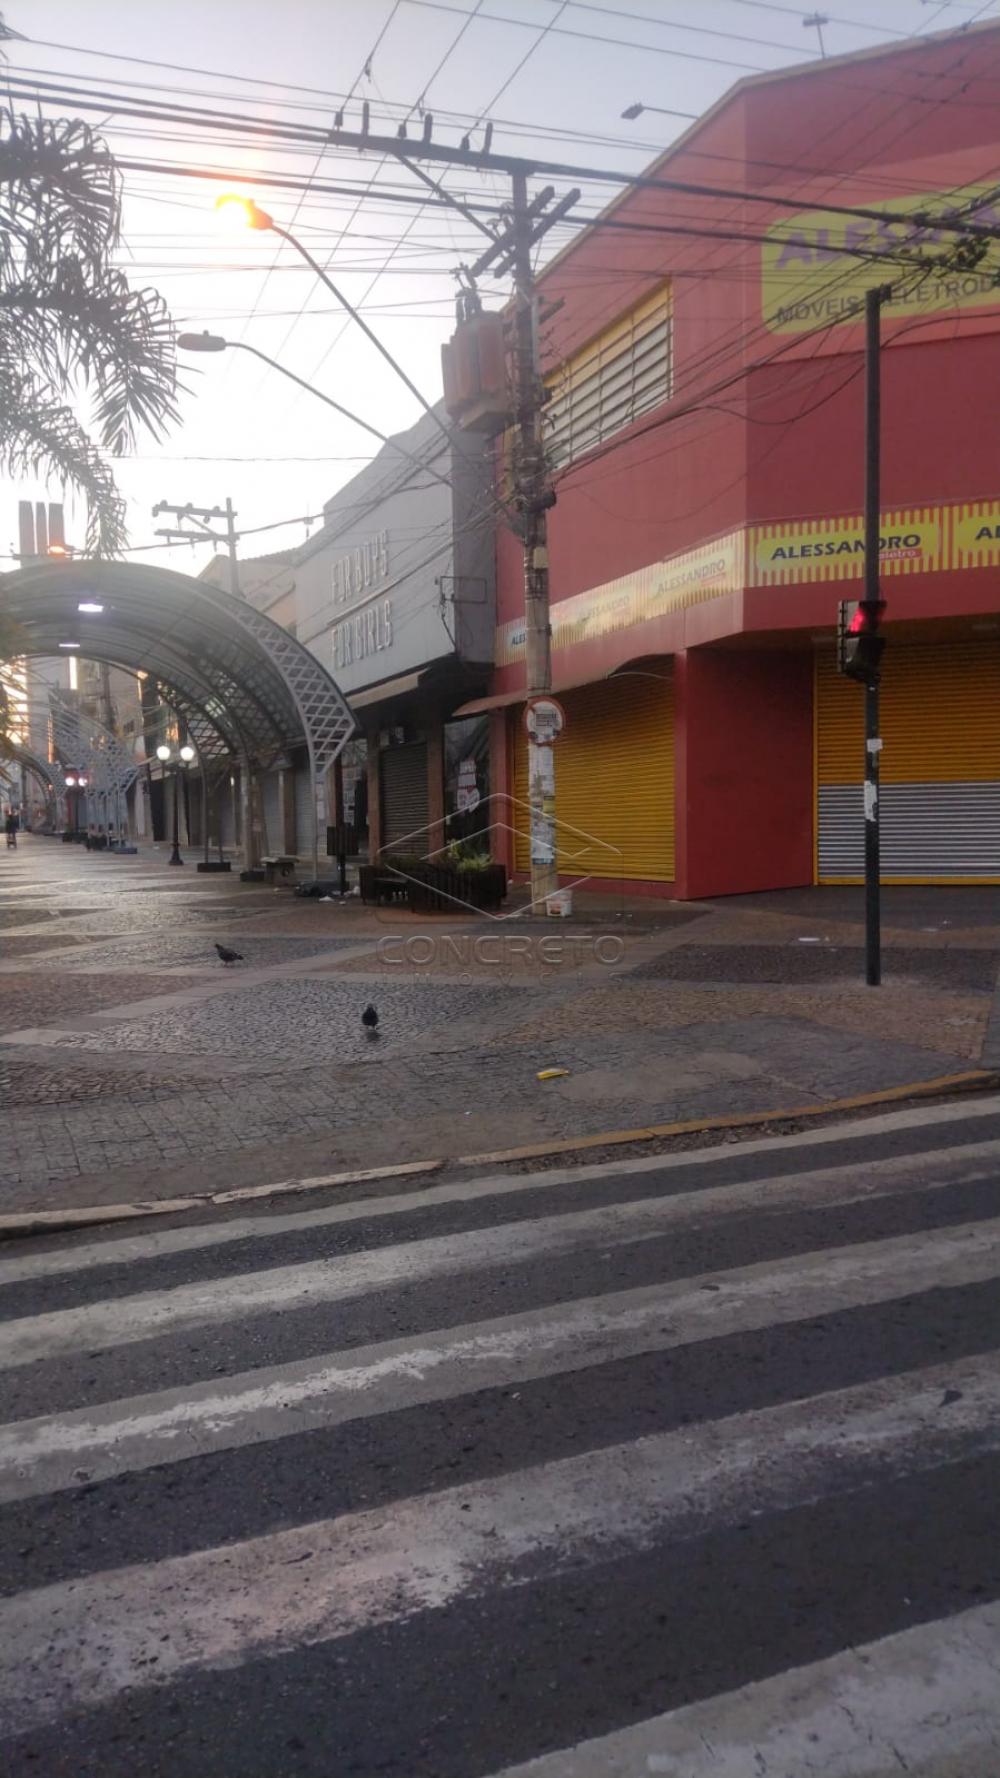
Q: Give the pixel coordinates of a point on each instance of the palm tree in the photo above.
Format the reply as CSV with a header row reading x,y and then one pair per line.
x,y
70,323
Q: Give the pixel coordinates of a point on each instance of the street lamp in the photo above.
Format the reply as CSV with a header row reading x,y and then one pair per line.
x,y
244,212
631,112
214,342
182,758
77,783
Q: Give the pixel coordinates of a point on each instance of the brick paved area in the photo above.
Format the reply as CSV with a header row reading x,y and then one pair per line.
x,y
132,1064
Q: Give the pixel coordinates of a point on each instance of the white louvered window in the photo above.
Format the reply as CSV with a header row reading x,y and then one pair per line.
x,y
613,381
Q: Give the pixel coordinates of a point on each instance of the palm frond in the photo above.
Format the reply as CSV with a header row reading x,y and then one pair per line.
x,y
60,190
40,436
81,320
69,317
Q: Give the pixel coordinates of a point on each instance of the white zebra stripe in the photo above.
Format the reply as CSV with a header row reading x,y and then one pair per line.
x,y
116,1322
922,1702
86,1641
47,1454
23,1264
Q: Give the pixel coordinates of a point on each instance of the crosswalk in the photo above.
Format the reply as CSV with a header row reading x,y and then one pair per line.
x,y
682,1466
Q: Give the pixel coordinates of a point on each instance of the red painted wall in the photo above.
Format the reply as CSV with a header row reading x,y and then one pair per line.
x,y
744,771
789,443
764,425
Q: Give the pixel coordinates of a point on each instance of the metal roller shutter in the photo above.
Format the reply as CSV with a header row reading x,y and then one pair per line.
x,y
304,812
614,780
405,813
271,803
224,811
940,765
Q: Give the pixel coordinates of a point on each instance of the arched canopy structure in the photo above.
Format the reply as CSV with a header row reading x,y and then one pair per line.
x,y
243,685
50,776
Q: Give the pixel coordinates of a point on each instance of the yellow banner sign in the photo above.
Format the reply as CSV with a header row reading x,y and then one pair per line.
x,y
815,268
975,534
834,549
686,579
913,540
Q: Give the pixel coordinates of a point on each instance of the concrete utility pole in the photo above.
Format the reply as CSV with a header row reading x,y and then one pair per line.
x,y
200,516
533,496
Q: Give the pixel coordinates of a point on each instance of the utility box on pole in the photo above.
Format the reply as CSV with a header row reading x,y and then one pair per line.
x,y
474,374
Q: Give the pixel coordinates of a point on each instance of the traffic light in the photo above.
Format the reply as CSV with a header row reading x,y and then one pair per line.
x,y
859,644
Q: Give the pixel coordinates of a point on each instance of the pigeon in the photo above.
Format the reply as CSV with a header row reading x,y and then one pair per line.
x,y
369,1019
227,956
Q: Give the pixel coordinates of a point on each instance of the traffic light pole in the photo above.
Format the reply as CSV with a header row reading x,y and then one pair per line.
x,y
873,740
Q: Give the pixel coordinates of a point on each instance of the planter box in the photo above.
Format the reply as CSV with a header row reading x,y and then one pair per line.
x,y
433,888
213,864
440,889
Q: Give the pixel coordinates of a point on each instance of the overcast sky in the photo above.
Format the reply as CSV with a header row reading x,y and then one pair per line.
x,y
245,431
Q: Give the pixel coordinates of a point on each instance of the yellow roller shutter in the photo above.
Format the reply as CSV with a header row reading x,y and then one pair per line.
x,y
940,765
614,780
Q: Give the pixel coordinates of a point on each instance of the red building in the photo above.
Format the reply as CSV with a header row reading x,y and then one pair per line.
x,y
705,425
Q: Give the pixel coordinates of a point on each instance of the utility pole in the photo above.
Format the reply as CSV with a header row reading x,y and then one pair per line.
x,y
201,516
533,496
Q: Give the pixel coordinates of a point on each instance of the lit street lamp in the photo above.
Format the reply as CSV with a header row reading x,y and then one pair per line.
x,y
247,214
183,757
77,783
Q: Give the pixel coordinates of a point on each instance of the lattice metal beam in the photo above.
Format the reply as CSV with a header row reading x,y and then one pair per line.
x,y
255,683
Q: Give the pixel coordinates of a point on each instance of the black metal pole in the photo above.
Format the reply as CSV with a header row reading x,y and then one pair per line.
x,y
175,856
873,743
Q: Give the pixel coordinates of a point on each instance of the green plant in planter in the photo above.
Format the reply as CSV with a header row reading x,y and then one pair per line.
x,y
461,856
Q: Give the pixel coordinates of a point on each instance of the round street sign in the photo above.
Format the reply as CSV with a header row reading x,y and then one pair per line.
x,y
544,718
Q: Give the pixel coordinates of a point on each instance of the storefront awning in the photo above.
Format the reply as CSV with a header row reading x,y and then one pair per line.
x,y
501,700
476,706
390,688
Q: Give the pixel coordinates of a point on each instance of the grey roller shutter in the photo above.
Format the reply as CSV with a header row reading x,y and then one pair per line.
x,y
404,796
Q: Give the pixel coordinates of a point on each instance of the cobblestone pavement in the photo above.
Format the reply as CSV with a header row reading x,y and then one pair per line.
x,y
133,1064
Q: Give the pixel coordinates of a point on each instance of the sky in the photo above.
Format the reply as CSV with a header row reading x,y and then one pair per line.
x,y
554,77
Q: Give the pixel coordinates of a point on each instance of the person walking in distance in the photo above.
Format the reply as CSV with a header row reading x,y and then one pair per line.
x,y
10,828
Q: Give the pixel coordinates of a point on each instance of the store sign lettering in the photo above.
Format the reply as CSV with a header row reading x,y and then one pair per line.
x,y
896,546
815,269
361,568
368,632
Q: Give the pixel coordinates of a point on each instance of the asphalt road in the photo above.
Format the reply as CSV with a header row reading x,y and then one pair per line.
x,y
684,1466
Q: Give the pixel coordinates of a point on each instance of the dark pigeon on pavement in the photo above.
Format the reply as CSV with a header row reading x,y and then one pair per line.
x,y
228,956
369,1019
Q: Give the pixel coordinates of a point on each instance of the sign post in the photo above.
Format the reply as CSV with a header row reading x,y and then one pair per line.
x,y
873,603
544,719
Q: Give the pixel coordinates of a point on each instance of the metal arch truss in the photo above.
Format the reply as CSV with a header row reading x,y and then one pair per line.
x,y
51,776
231,673
324,713
82,740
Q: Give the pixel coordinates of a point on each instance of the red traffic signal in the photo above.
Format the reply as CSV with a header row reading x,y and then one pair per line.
x,y
859,643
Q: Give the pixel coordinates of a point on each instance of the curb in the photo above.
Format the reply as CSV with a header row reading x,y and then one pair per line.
x,y
976,1080
46,1222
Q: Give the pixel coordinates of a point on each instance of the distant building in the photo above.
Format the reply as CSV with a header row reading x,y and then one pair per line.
x,y
395,595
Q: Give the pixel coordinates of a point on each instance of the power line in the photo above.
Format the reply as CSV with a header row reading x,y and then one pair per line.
x,y
418,103
365,69
614,42
555,169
